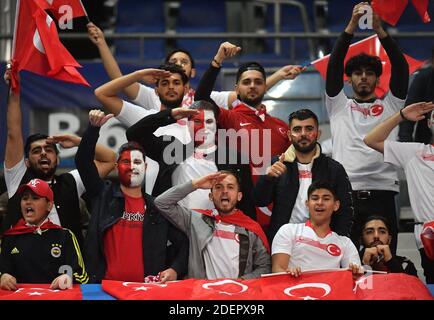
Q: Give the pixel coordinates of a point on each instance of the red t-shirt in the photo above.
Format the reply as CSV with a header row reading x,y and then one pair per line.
x,y
123,243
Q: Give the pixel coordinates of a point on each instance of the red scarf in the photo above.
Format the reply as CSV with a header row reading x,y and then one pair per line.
x,y
22,228
238,218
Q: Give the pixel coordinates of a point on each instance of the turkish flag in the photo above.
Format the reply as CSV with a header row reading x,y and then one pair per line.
x,y
61,7
37,47
392,286
371,46
391,10
323,285
41,292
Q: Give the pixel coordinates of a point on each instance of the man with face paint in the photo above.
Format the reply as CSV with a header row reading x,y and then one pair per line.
x,y
224,242
288,179
127,239
417,160
376,250
180,162
39,158
374,182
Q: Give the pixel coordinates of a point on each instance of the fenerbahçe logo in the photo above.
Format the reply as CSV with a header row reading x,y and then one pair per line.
x,y
376,110
55,250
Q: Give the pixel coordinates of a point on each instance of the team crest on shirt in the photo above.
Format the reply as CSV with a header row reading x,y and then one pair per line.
x,y
56,250
373,111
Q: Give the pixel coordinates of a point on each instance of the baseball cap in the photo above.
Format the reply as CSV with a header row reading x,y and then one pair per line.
x,y
39,187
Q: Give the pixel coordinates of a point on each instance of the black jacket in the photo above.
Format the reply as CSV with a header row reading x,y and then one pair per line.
x,y
143,133
163,245
283,193
397,264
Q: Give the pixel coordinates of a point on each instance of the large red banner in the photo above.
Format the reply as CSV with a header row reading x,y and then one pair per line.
x,y
41,292
337,285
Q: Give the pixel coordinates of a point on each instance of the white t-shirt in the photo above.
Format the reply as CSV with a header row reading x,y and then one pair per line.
x,y
300,213
193,168
350,122
148,99
308,251
222,253
417,160
13,178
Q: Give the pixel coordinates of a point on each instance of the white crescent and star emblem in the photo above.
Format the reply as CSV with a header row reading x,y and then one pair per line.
x,y
323,286
243,287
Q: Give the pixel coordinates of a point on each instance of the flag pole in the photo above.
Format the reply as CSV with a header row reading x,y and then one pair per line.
x,y
85,12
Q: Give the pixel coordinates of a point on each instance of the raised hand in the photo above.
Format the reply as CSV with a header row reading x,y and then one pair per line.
x,y
151,76
225,51
98,118
416,111
277,169
95,34
180,113
208,181
290,72
65,140
358,11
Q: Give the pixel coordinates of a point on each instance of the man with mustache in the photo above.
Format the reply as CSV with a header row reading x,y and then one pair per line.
x,y
376,250
180,162
374,182
224,242
127,239
39,158
417,160
288,179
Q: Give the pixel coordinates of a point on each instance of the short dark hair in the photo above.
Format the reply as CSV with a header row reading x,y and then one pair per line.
x,y
250,66
36,137
131,145
174,68
206,105
363,60
171,53
302,114
377,217
319,184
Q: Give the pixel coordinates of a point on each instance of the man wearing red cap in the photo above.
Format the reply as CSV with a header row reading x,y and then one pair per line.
x,y
34,250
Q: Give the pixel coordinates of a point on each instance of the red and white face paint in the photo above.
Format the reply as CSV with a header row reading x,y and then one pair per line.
x,y
204,129
131,168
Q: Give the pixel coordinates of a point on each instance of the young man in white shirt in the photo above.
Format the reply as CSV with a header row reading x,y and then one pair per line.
x,y
417,160
298,247
375,183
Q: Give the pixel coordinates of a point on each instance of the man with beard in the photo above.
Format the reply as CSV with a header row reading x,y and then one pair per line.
x,y
417,160
288,179
146,97
171,85
224,242
127,239
39,158
180,162
376,251
375,183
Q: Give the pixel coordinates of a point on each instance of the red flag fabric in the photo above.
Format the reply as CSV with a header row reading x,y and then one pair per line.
x,y
55,6
391,10
422,9
372,46
238,218
333,285
41,292
326,285
22,228
37,47
392,286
